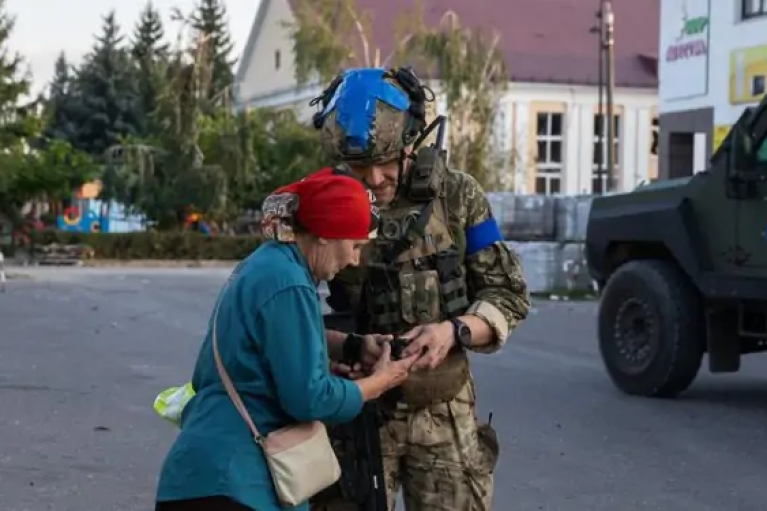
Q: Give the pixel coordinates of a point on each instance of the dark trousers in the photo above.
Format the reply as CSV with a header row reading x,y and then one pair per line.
x,y
203,504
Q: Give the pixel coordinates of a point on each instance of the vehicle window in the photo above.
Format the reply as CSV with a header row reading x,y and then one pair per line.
x,y
761,153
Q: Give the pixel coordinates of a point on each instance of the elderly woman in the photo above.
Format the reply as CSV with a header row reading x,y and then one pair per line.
x,y
270,336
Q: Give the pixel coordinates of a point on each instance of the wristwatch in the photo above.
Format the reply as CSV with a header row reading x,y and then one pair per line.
x,y
461,333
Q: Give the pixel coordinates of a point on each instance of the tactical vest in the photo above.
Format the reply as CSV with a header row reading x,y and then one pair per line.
x,y
413,274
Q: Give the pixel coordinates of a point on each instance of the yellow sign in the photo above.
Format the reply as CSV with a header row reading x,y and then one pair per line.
x,y
748,74
720,133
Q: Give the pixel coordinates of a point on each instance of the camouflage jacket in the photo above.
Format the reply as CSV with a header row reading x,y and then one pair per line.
x,y
491,273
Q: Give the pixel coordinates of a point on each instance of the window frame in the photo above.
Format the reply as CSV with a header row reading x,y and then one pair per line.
x,y
749,13
549,173
599,134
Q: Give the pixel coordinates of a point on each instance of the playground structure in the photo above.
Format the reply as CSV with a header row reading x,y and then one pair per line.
x,y
84,213
195,222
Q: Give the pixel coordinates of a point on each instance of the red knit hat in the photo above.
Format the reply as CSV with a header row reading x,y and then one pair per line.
x,y
335,205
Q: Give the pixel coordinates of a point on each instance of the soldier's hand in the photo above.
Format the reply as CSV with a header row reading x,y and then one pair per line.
x,y
394,372
372,349
432,341
354,372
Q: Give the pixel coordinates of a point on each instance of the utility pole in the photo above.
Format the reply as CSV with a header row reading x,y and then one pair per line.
x,y
600,127
609,49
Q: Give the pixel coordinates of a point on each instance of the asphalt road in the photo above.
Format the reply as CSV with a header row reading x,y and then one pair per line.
x,y
83,353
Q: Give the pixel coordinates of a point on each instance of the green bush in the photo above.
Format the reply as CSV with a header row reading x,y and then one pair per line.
x,y
156,245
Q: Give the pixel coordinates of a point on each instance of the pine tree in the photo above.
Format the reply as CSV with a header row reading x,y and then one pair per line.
x,y
210,22
107,87
14,85
148,36
150,54
61,103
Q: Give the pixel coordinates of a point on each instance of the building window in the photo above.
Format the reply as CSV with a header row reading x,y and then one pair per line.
x,y
499,132
550,153
600,176
654,139
277,59
752,8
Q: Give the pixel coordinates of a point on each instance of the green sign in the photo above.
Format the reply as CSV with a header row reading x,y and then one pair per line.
x,y
694,26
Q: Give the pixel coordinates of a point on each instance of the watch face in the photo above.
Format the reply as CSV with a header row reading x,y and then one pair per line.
x,y
465,334
462,332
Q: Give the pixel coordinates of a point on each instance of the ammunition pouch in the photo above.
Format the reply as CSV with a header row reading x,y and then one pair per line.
x,y
382,298
452,282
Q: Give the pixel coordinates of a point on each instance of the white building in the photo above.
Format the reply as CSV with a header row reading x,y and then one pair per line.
x,y
713,65
548,118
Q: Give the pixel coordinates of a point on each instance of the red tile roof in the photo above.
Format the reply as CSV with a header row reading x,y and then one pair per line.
x,y
545,41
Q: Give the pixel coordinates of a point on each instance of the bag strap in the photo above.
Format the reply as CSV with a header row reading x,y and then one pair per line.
x,y
228,385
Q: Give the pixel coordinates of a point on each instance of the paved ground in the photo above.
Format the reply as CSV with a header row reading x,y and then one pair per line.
x,y
83,353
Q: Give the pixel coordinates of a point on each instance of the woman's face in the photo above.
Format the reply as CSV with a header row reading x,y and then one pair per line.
x,y
331,256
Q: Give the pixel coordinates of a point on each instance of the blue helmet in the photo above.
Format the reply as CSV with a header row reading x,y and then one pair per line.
x,y
369,115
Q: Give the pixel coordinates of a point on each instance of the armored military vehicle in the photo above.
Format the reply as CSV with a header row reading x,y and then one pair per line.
x,y
682,268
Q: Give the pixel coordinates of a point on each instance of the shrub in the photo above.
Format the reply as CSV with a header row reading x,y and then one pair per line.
x,y
160,245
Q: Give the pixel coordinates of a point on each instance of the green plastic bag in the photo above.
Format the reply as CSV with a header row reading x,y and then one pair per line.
x,y
169,404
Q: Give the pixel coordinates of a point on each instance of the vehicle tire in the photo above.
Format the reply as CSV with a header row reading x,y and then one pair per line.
x,y
650,334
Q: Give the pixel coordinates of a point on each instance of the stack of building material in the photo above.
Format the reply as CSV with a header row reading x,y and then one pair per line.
x,y
58,254
572,215
524,217
548,233
555,268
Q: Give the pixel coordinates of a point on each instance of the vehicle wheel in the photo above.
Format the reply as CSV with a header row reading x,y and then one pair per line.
x,y
650,335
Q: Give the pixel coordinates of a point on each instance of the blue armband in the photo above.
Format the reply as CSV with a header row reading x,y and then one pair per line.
x,y
482,235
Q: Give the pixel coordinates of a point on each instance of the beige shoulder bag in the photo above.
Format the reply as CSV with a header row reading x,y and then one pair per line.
x,y
300,457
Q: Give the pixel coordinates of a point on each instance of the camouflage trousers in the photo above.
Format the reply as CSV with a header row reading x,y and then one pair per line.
x,y
440,457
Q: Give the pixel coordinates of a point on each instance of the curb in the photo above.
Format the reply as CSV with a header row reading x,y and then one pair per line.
x,y
156,263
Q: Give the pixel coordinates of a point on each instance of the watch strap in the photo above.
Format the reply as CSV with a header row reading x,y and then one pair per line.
x,y
457,325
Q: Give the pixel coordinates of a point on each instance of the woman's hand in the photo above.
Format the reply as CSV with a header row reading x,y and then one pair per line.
x,y
392,372
353,372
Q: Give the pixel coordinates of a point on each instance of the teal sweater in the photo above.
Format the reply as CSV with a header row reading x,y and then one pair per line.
x,y
272,342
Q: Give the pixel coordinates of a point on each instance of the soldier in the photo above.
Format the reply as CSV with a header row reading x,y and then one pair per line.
x,y
440,276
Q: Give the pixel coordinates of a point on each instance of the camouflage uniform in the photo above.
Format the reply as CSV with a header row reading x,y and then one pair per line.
x,y
432,444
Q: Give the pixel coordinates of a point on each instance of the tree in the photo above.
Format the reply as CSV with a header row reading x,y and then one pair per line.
x,y
149,52
466,66
30,170
329,35
212,27
148,36
284,150
46,175
164,175
13,86
60,105
470,70
108,99
202,156
15,127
